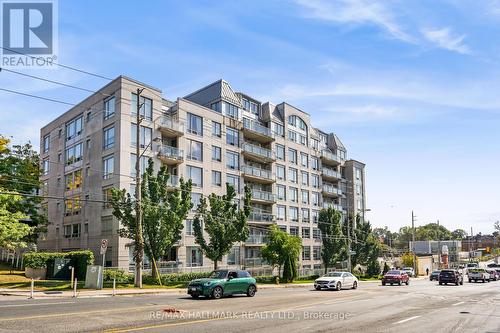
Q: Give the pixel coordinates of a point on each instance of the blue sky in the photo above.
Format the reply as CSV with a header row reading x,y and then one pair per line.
x,y
411,87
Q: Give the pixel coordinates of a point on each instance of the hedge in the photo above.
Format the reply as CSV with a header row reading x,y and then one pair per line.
x,y
81,258
119,275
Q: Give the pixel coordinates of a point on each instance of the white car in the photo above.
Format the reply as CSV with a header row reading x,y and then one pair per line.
x,y
409,271
336,281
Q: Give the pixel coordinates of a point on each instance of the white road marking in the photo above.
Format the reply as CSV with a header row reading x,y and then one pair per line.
x,y
33,304
407,319
458,303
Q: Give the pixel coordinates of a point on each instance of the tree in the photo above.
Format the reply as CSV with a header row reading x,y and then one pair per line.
x,y
20,172
12,230
333,249
282,250
163,212
407,259
224,223
459,234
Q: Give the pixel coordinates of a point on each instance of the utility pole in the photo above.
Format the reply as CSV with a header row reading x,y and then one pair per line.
x,y
348,244
413,242
139,239
439,247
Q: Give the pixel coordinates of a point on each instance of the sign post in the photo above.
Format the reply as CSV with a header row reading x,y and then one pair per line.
x,y
104,248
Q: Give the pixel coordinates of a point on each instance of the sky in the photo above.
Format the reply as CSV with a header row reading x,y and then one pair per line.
x,y
410,87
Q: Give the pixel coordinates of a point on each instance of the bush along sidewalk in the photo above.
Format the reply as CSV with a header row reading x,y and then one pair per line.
x,y
81,259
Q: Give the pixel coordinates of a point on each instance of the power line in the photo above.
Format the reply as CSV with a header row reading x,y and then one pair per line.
x,y
38,97
59,64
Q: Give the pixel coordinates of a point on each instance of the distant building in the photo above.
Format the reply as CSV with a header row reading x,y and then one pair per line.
x,y
432,247
473,243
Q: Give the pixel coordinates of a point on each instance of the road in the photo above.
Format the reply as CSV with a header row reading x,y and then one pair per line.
x,y
423,306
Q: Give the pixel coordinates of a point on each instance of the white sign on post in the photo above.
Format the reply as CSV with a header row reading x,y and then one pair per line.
x,y
104,248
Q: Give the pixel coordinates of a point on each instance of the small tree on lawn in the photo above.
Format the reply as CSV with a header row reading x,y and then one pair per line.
x,y
223,221
163,212
333,249
12,231
282,250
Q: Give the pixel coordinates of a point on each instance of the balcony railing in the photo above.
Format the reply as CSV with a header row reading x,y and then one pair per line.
x,y
331,173
261,217
256,239
328,188
257,172
330,156
259,151
171,124
171,153
173,181
256,127
263,196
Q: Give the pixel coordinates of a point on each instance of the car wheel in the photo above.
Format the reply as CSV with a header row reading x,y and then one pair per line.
x,y
400,283
195,296
339,286
462,282
318,288
456,283
355,285
470,281
217,293
440,283
407,282
383,283
251,291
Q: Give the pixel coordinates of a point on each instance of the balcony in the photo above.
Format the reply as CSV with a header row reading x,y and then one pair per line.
x,y
171,155
255,131
256,240
337,207
330,174
330,190
173,182
261,217
257,153
263,197
330,158
170,127
258,175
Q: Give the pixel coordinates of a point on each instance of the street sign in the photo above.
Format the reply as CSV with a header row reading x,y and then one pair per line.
x,y
104,246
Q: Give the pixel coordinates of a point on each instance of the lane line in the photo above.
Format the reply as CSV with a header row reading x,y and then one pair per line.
x,y
33,304
407,319
457,303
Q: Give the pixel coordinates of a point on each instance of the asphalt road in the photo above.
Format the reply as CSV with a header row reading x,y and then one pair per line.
x,y
423,306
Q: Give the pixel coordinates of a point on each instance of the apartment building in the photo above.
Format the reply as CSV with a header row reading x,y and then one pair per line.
x,y
213,136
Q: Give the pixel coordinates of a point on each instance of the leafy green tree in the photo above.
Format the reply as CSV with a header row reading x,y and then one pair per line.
x,y
163,212
373,267
458,234
20,172
334,243
12,231
282,250
224,223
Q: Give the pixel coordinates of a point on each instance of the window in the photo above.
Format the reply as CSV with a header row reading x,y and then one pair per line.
x,y
75,230
109,107
306,233
314,144
281,213
358,173
195,200
305,215
316,252
216,154
74,128
195,150
294,193
316,233
72,206
281,191
254,108
305,197
293,175
294,231
294,214
216,129
305,178
108,137
280,152
297,122
292,155
234,181
216,178
246,104
146,105
292,136
315,199
314,163
108,166
74,154
314,216
358,189
282,227
196,175
232,136
231,110
189,228
195,124
73,180
280,172
107,224
304,160
303,140
217,106
232,160
144,136
46,143
315,181
278,129
143,164
107,195
46,166
59,157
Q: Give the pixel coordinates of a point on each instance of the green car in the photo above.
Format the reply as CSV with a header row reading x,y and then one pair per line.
x,y
223,282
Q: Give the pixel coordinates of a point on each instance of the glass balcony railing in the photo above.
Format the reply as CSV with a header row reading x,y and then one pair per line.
x,y
257,172
173,181
261,217
328,188
171,152
256,239
331,173
263,196
256,150
256,127
330,156
171,124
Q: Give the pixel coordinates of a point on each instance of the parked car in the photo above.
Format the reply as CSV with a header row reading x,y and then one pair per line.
x,y
223,282
472,265
494,275
434,275
336,281
395,277
409,271
450,276
479,274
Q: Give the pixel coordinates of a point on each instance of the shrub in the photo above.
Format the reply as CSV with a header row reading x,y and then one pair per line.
x,y
119,275
80,258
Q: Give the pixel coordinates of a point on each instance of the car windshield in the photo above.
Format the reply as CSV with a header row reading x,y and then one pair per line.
x,y
222,274
393,273
334,274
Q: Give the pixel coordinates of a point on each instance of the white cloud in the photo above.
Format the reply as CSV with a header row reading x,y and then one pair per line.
x,y
445,39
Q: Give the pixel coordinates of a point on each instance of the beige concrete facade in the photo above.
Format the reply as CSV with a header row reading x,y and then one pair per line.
x,y
212,136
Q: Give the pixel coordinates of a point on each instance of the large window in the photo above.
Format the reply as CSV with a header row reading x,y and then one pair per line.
x,y
297,122
233,181
305,197
294,214
216,154
314,163
46,143
74,128
306,233
195,200
281,212
196,175
143,164
216,178
195,124
280,152
108,137
315,199
305,214
73,180
231,110
195,150
232,136
304,160
109,107
108,166
278,129
280,172
232,160
74,153
293,194
45,166
292,155
146,105
315,181
281,192
216,129
144,136
305,178
316,252
306,253
292,175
